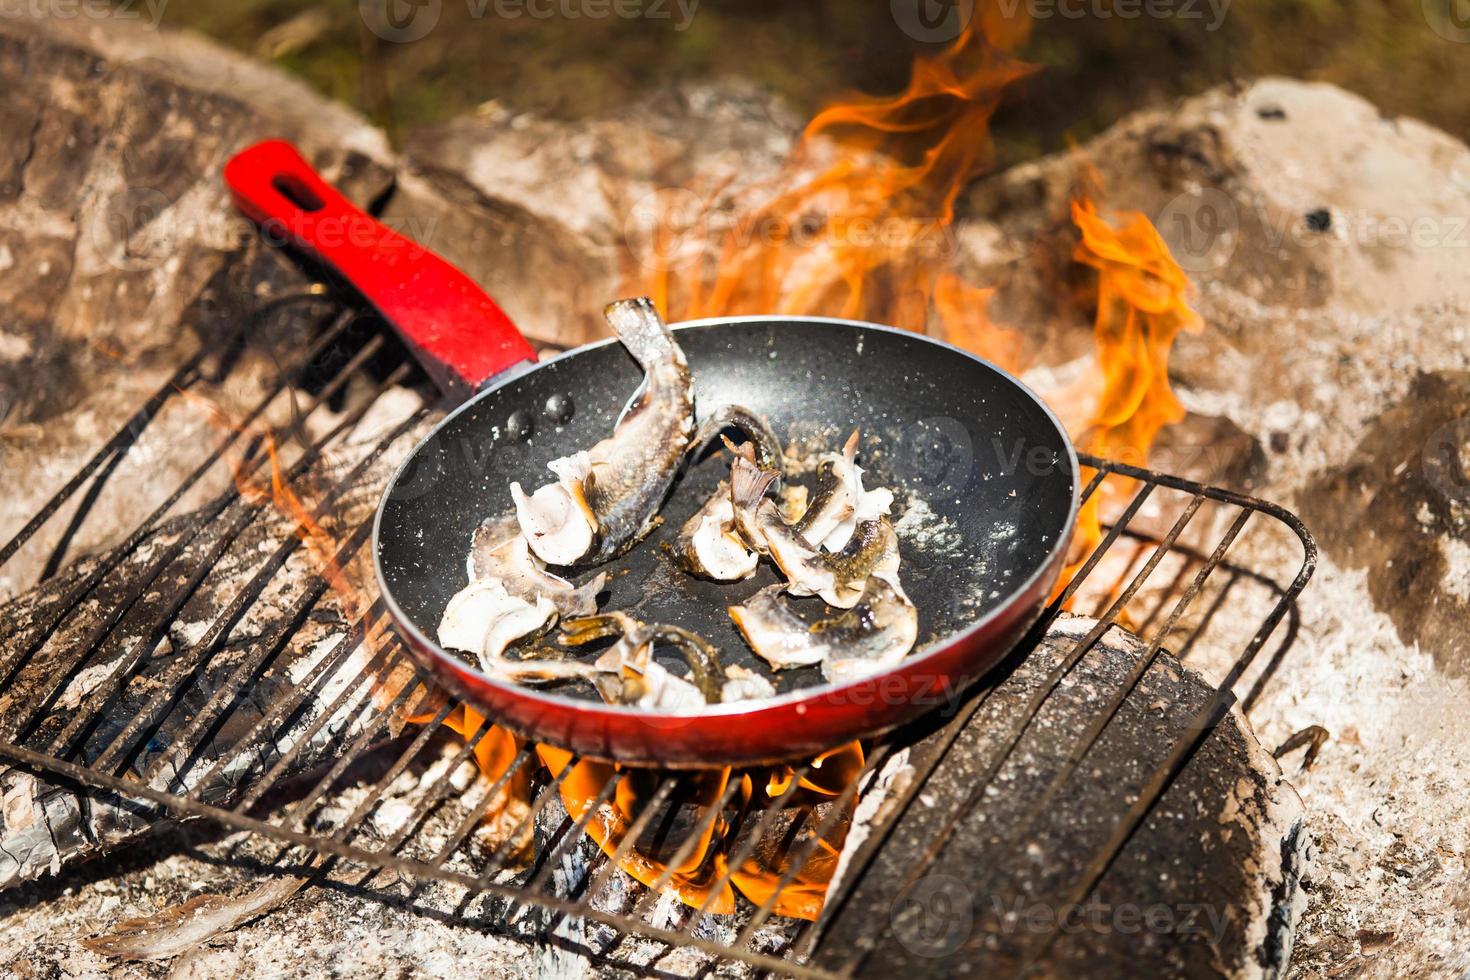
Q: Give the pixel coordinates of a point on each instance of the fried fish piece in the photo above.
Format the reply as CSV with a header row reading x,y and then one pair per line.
x,y
866,639
838,578
708,545
607,498
631,657
840,502
498,550
484,618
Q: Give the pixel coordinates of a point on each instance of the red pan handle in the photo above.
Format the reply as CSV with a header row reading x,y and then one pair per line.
x,y
457,332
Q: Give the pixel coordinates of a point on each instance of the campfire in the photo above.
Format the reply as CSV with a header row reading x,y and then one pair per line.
x,y
769,861
856,225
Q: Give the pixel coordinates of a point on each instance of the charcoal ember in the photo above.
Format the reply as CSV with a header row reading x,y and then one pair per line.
x,y
1208,886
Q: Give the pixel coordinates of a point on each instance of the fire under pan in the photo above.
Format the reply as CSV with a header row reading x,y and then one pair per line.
x,y
1178,565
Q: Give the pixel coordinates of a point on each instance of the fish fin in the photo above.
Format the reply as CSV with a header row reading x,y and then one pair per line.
x,y
642,331
583,599
745,450
576,475
748,483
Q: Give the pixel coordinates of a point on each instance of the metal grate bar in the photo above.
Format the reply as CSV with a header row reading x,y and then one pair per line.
x,y
182,381
148,718
107,623
154,631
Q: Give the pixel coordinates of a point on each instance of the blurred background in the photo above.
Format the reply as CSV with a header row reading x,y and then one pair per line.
x,y
1102,58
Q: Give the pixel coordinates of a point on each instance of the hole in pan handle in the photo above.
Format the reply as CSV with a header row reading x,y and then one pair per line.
x,y
456,332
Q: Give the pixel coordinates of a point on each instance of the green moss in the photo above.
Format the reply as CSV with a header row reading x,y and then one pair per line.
x,y
1096,68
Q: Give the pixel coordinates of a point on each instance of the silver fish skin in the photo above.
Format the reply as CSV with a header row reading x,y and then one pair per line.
x,y
633,469
498,550
870,637
832,500
634,650
760,524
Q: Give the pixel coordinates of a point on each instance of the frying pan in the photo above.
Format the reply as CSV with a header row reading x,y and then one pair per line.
x,y
984,475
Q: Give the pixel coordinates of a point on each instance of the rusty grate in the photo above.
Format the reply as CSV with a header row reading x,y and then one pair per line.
x,y
1175,562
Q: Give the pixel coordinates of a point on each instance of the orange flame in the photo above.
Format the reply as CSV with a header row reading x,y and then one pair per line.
x,y
867,235
703,877
1142,306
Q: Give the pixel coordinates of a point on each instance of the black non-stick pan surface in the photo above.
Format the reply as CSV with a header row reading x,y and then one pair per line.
x,y
984,477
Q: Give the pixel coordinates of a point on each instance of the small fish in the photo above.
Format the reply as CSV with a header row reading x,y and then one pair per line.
x,y
872,549
607,498
707,545
840,501
634,652
866,639
499,550
484,618
838,578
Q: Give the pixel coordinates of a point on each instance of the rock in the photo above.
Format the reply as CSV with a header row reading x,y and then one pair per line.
x,y
539,212
120,253
1332,363
1318,201
1210,885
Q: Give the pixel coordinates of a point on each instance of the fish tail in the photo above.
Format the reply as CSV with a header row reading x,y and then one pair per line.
x,y
642,331
748,483
584,597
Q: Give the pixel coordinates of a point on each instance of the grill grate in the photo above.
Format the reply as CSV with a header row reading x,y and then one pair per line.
x,y
1174,543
